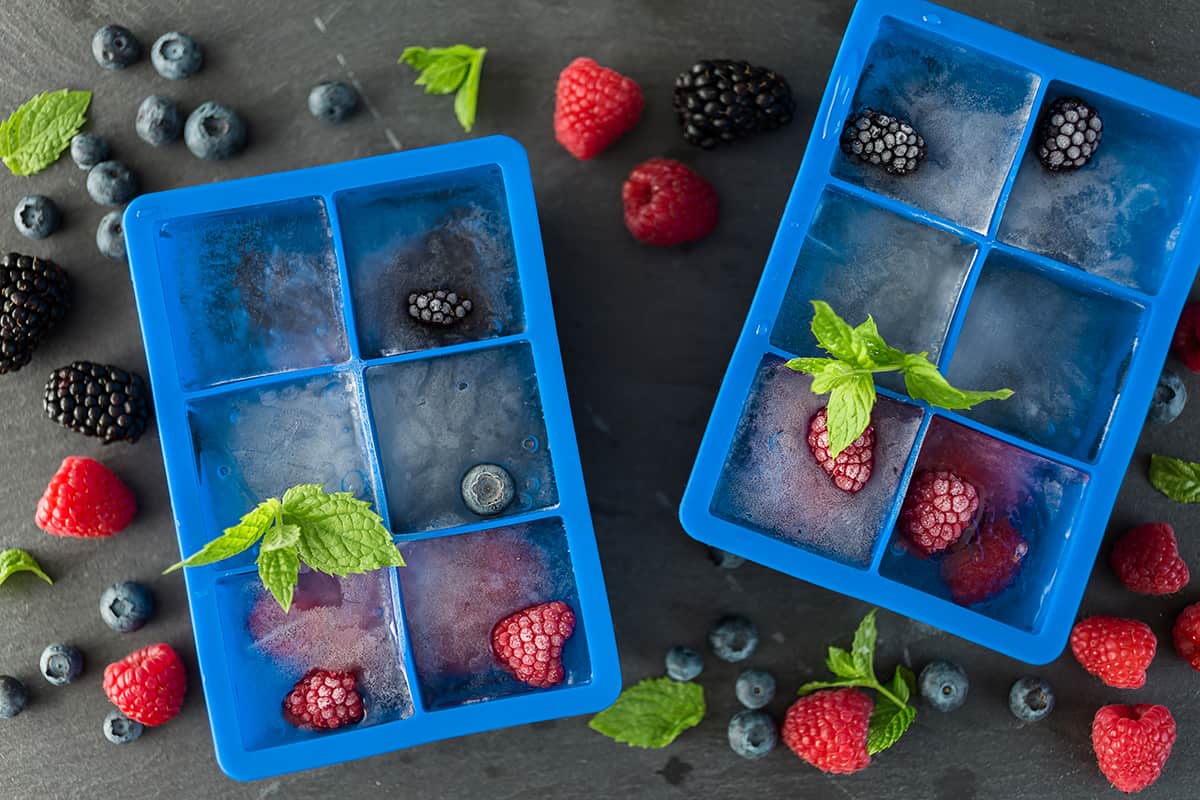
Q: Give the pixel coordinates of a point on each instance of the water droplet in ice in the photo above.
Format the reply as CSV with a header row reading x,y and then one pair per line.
x,y
530,444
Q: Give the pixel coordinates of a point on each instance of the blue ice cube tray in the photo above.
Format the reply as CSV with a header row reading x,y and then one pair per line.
x,y
1065,288
275,317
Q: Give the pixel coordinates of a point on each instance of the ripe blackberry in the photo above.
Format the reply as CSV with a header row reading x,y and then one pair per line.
x,y
438,306
99,400
1068,135
35,295
722,101
883,140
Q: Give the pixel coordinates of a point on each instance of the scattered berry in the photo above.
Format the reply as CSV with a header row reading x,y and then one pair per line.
x,y
1146,559
755,688
721,101
110,236
98,400
61,664
438,307
36,295
1115,650
852,468
36,216
733,639
214,131
1068,135
115,47
110,183
332,102
324,700
1132,744
126,606
937,509
13,697
1186,343
944,685
487,489
1170,396
1031,699
725,559
147,685
158,120
594,106
176,56
529,643
752,734
120,729
88,149
684,663
981,567
828,729
1186,633
85,499
883,140
667,204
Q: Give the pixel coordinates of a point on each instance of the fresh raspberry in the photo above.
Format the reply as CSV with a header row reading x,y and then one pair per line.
x,y
668,204
828,729
594,107
1132,744
980,568
1146,559
1187,635
86,499
852,468
1186,343
324,699
1115,650
937,510
529,643
147,685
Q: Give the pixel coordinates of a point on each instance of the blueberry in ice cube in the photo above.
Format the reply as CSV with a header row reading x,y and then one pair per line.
x,y
176,55
61,664
110,236
1170,396
158,120
126,606
752,734
333,101
36,216
214,131
683,663
88,149
487,489
111,183
115,47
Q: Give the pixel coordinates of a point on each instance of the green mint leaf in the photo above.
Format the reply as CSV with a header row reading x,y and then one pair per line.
x,y
446,70
888,724
467,97
339,534
836,337
924,382
281,537
902,683
236,539
35,135
841,663
652,713
811,366
279,568
834,374
419,58
849,411
883,356
814,686
14,560
863,648
1177,479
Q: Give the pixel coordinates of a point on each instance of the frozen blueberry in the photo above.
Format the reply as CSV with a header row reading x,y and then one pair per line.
x,y
733,639
755,688
332,102
752,734
683,663
110,236
487,489
176,55
61,664
158,120
115,47
120,729
88,149
110,183
36,216
944,685
127,606
1031,699
1170,396
214,131
725,560
13,697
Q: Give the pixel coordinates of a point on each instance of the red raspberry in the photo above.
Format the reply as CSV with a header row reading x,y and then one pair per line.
x,y
1132,744
1187,635
981,568
594,107
1146,559
1186,343
937,510
852,468
1115,650
86,499
668,204
529,643
147,685
324,699
828,729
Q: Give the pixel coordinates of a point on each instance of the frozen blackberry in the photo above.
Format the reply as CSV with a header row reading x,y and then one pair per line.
x,y
158,120
176,55
115,47
883,140
438,306
721,101
99,400
1068,135
36,294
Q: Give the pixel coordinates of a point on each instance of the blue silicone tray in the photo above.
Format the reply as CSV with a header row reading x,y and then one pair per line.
x,y
1064,287
274,311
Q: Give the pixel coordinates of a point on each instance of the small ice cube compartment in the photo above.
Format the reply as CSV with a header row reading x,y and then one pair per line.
x,y
278,320
1064,287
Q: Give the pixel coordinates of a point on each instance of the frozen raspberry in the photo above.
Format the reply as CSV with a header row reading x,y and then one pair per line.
x,y
147,685
529,643
323,700
1132,744
594,106
828,729
937,510
1115,650
668,204
1186,343
1146,559
85,499
852,468
1186,634
980,568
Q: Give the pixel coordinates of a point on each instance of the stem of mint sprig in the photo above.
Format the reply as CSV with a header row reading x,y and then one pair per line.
x,y
847,376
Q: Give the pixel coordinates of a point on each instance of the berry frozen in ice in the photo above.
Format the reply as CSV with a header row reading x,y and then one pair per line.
x,y
487,489
937,509
1068,134
883,140
324,700
851,469
982,566
438,307
529,643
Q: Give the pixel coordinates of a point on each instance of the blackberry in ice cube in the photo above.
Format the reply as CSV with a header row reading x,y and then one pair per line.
x,y
1069,134
438,306
883,140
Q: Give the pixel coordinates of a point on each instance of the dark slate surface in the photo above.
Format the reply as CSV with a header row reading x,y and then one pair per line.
x,y
641,385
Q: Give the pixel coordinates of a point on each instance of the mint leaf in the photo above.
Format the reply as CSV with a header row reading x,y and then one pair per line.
x,y
880,353
14,560
849,411
902,683
888,724
446,70
339,534
834,374
1177,479
863,648
924,382
811,366
652,713
34,136
837,338
281,537
279,568
467,97
841,663
236,539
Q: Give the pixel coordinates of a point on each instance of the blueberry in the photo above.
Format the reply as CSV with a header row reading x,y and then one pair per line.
x,y
176,56
684,663
332,102
110,236
88,149
126,606
110,183
36,216
115,47
1170,396
944,685
725,560
733,639
158,120
214,131
61,664
13,697
120,729
487,489
1031,699
755,688
752,734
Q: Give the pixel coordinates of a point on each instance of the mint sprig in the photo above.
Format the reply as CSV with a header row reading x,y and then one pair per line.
x,y
856,668
15,560
857,353
35,135
334,533
1176,478
446,70
652,713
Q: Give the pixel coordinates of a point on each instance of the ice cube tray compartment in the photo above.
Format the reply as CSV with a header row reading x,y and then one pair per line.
x,y
248,404
958,256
